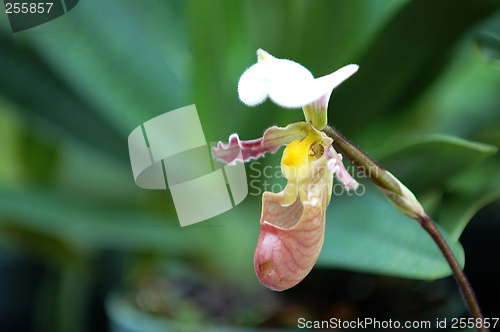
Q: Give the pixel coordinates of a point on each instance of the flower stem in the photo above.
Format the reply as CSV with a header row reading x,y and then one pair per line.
x,y
406,202
367,165
465,288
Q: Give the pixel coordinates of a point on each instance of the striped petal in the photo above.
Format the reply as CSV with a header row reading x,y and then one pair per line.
x,y
271,141
291,235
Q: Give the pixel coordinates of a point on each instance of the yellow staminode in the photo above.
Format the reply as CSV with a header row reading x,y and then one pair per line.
x,y
297,155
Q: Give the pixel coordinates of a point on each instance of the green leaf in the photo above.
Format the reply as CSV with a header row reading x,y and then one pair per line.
x,y
366,233
428,162
403,61
471,191
458,209
131,61
101,73
489,46
11,165
90,226
45,100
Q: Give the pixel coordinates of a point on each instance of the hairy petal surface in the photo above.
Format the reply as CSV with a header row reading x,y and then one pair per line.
x,y
288,83
336,166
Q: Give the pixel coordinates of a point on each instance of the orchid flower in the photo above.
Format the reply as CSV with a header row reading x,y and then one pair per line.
x,y
292,223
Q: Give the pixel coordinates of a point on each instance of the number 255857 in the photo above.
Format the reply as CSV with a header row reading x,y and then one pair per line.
x,y
25,8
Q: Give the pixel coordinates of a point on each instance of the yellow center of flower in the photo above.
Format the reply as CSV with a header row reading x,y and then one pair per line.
x,y
298,154
297,164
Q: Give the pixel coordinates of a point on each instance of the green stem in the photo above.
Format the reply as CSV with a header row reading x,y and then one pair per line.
x,y
402,198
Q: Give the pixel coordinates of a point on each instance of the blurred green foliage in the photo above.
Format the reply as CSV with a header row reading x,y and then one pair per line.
x,y
425,104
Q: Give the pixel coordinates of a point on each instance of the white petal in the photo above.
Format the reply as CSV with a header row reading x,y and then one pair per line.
x,y
292,94
290,84
252,87
280,78
329,82
286,71
286,82
308,92
290,87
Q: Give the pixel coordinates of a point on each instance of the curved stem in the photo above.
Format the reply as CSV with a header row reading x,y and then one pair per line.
x,y
465,288
392,188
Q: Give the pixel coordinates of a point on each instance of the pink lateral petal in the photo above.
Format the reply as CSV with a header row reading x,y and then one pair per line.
x,y
336,166
271,141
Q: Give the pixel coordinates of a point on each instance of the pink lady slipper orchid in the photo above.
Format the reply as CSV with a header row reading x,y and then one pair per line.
x,y
292,224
